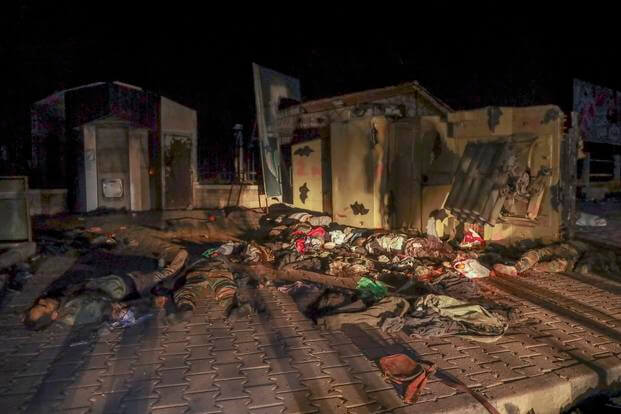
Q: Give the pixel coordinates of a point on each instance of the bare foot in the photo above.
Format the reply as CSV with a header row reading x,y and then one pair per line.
x,y
505,270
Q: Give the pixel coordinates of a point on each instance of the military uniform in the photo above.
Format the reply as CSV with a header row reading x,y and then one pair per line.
x,y
553,259
206,275
93,301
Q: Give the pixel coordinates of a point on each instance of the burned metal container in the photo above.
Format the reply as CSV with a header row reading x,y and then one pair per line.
x,y
513,173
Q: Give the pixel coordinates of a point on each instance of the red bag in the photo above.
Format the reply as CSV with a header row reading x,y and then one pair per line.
x,y
400,368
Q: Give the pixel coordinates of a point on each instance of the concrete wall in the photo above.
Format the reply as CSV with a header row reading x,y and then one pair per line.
x,y
47,202
220,196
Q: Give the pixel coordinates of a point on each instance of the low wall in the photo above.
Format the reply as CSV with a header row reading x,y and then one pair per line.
x,y
47,202
220,196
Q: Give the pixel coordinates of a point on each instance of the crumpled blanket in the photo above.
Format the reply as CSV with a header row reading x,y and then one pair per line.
x,y
437,315
345,266
385,243
430,247
256,253
379,315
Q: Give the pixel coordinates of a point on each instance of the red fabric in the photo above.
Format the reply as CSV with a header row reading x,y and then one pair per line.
x,y
299,246
472,239
318,232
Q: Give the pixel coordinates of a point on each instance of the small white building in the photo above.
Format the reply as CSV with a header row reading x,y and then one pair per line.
x,y
114,145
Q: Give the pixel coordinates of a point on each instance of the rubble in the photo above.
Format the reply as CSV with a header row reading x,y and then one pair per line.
x,y
590,220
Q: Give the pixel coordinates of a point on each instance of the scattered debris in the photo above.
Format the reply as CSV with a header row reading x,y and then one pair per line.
x,y
471,268
591,220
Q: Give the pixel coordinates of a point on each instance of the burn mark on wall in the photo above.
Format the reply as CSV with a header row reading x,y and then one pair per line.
x,y
304,192
373,136
305,151
450,129
493,117
358,208
556,197
551,115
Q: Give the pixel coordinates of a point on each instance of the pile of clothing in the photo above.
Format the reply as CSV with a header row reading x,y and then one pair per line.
x,y
414,283
418,315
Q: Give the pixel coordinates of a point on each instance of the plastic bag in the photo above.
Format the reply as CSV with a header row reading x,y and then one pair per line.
x,y
371,288
471,269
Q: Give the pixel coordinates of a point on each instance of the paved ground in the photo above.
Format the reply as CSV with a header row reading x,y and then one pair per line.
x,y
610,235
566,342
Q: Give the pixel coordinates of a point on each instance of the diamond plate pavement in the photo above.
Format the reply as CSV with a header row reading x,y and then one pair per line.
x,y
565,342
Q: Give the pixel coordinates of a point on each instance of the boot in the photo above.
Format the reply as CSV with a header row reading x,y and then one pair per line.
x,y
183,314
240,311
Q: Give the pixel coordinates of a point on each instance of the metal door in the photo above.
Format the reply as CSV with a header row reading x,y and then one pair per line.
x,y
177,172
404,183
113,168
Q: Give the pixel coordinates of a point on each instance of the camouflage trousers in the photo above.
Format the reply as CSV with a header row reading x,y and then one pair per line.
x,y
208,275
146,242
552,259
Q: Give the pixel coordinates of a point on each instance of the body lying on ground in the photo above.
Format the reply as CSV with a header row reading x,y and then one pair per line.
x,y
108,298
555,258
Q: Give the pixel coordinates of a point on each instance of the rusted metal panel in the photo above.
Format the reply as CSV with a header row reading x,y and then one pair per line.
x,y
177,172
460,178
478,195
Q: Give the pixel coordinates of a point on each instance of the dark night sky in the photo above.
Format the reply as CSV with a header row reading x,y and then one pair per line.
x,y
203,59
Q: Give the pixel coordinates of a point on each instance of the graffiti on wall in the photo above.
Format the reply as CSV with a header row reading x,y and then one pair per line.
x,y
599,112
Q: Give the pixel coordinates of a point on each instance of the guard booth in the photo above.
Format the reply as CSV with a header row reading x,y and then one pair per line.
x,y
338,148
121,147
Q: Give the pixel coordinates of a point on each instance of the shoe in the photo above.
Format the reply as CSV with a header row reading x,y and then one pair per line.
x,y
505,270
183,314
228,304
241,311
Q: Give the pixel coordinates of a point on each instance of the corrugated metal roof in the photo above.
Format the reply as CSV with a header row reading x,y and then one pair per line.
x,y
477,193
